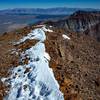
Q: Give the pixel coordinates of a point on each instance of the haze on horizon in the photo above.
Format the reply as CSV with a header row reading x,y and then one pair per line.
x,y
9,4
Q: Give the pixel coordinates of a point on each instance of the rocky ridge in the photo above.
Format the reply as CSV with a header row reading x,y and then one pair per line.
x,y
75,61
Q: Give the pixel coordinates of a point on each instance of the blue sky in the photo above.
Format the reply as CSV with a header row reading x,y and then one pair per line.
x,y
4,4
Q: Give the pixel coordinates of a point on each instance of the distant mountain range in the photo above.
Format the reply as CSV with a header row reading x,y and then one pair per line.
x,y
49,11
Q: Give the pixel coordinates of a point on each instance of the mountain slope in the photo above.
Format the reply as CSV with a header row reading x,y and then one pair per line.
x,y
75,59
82,22
34,80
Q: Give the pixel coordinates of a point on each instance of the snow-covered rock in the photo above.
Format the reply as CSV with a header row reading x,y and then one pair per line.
x,y
37,34
65,37
38,83
46,30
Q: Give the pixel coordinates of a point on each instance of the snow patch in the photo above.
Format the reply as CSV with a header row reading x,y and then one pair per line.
x,y
37,34
65,37
50,26
46,30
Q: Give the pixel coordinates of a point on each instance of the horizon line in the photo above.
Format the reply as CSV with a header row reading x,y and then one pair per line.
x,y
48,8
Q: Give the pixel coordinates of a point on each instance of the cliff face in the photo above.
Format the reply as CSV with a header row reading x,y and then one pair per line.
x,y
82,22
94,31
